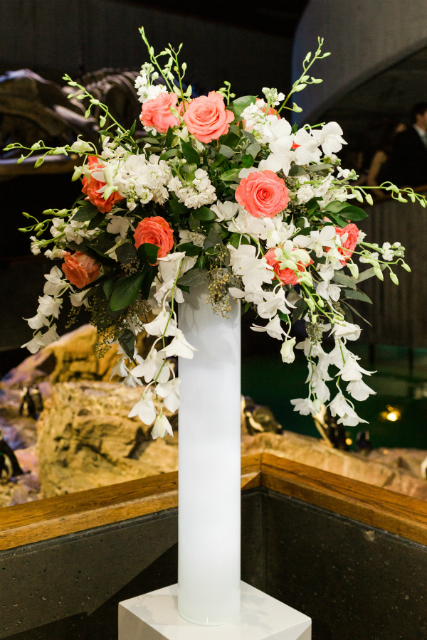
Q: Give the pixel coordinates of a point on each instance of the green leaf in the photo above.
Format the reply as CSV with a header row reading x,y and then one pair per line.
x,y
194,224
189,171
296,170
357,313
248,161
357,295
250,136
347,281
148,281
193,278
125,291
108,287
169,153
369,273
127,342
190,154
234,240
298,312
231,139
353,213
230,175
204,214
294,128
132,129
213,240
85,213
253,149
147,252
126,252
190,249
225,151
177,207
96,221
240,104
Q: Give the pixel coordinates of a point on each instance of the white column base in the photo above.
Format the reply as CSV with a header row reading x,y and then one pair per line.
x,y
155,616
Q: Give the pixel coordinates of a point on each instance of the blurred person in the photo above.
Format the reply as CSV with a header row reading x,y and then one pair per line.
x,y
408,159
379,171
353,157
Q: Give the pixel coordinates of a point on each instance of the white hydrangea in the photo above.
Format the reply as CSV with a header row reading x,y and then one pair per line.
x,y
141,179
194,194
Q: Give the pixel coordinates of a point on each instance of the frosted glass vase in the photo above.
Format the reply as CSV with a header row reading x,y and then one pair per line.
x,y
209,465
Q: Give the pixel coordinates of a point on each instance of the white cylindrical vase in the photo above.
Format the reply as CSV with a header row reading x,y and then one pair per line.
x,y
209,465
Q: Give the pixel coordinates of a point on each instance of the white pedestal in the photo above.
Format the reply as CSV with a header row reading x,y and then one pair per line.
x,y
155,616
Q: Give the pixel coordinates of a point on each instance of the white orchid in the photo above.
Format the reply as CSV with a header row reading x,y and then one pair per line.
x,y
162,324
287,350
49,306
330,138
55,282
346,330
153,366
359,390
161,427
273,328
180,347
144,409
170,391
225,210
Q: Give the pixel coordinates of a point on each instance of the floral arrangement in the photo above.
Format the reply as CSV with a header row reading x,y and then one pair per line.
x,y
222,191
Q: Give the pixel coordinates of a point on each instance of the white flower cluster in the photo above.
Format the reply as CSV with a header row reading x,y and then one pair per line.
x,y
144,86
155,369
139,179
194,194
71,231
49,307
349,371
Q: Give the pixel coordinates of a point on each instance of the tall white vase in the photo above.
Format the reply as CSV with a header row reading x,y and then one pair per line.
x,y
209,465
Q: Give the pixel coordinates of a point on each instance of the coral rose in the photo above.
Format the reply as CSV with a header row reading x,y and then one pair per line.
x,y
350,233
207,118
80,269
263,194
155,230
91,188
286,276
156,113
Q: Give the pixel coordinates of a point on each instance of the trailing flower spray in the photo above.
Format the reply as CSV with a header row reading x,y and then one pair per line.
x,y
222,191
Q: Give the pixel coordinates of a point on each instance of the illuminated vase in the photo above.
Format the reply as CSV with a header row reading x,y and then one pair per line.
x,y
209,464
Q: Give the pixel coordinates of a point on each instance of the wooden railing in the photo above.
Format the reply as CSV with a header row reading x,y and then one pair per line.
x,y
376,507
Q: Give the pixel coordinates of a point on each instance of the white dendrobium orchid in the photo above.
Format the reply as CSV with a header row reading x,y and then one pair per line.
x,y
318,240
352,371
120,369
144,409
225,210
254,271
347,415
281,156
161,325
37,322
346,330
170,392
305,406
328,291
77,299
55,282
118,225
273,328
49,306
287,350
250,294
153,365
179,347
274,301
330,138
162,426
307,150
359,390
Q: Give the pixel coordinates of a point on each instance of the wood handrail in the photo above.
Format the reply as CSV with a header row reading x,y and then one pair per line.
x,y
376,507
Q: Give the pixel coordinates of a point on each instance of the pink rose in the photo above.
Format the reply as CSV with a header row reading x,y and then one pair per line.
x,y
91,188
286,276
207,118
155,230
80,269
156,113
350,234
263,194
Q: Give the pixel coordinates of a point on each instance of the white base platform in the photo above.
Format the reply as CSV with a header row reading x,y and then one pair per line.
x,y
155,616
